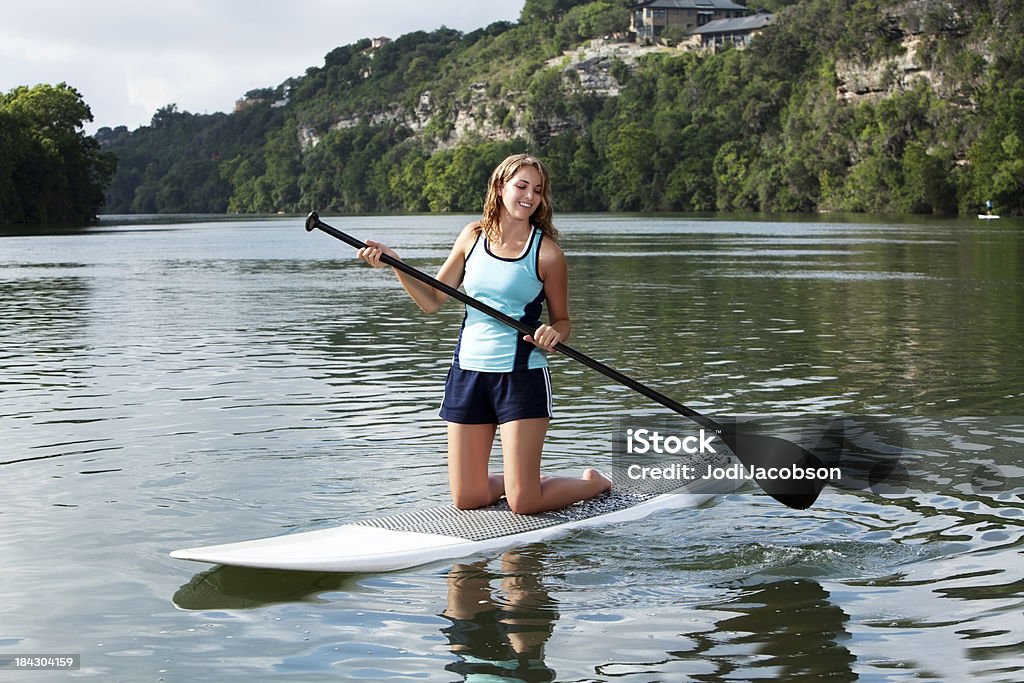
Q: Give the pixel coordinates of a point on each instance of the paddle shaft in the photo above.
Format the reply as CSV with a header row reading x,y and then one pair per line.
x,y
313,222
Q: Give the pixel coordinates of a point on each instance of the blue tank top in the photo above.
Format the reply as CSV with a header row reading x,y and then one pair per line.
x,y
513,286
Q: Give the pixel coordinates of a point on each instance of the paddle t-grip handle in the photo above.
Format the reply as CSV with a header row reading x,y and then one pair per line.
x,y
313,222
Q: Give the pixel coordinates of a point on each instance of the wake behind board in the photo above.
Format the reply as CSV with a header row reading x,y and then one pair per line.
x,y
446,533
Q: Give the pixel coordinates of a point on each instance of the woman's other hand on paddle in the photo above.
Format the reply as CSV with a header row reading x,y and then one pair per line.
x,y
544,337
372,252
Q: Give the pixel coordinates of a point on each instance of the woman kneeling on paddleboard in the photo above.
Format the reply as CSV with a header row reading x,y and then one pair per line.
x,y
510,260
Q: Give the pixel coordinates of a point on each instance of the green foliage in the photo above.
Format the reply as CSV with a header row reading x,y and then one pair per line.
x,y
456,179
545,11
627,180
997,156
176,164
927,185
765,128
590,20
50,171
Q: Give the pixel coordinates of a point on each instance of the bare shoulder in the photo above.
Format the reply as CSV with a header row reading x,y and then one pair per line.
x,y
552,258
464,242
551,251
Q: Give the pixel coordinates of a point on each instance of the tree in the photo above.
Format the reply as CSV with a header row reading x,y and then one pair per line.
x,y
591,20
997,157
546,11
457,179
926,182
51,173
628,180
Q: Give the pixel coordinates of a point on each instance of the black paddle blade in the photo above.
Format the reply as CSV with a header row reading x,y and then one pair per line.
x,y
785,471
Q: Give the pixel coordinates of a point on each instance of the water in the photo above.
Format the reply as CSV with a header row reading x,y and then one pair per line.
x,y
171,385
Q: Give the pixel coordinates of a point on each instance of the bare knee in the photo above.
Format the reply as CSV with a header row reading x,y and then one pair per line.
x,y
523,504
469,500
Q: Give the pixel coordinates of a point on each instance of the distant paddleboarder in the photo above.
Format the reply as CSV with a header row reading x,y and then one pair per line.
x,y
499,380
988,215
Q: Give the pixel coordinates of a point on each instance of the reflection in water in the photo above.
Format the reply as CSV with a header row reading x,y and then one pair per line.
x,y
500,622
243,588
791,629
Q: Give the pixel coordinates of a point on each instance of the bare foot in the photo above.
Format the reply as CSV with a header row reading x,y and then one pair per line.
x,y
591,474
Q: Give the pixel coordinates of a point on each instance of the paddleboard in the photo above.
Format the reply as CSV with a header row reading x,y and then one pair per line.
x,y
446,533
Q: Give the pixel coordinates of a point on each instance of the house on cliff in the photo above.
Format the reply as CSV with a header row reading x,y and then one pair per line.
x,y
651,18
732,32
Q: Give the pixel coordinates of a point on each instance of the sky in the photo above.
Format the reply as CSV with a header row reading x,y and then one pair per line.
x,y
129,58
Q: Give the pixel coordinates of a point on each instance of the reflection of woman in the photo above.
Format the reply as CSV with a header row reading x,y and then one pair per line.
x,y
509,259
499,635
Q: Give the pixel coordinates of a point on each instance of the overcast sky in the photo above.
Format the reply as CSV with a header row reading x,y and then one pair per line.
x,y
128,58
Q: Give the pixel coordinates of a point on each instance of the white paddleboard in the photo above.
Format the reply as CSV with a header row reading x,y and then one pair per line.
x,y
447,533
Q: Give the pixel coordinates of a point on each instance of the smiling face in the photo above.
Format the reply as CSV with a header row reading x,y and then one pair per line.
x,y
519,189
523,193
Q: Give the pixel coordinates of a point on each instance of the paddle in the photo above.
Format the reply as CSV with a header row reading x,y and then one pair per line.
x,y
753,450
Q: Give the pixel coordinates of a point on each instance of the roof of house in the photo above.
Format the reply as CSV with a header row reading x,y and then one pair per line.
x,y
694,4
751,23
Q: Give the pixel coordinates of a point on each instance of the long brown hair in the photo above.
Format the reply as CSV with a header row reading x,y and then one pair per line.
x,y
541,217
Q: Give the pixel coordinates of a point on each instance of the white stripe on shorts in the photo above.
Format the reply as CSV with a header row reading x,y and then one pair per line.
x,y
547,385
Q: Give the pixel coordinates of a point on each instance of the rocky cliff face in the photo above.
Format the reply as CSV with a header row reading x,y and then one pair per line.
x,y
590,68
482,115
873,81
477,114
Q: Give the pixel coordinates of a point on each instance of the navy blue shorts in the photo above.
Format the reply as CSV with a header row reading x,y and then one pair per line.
x,y
472,397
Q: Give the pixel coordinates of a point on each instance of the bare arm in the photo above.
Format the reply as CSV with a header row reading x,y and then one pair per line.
x,y
554,272
451,273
